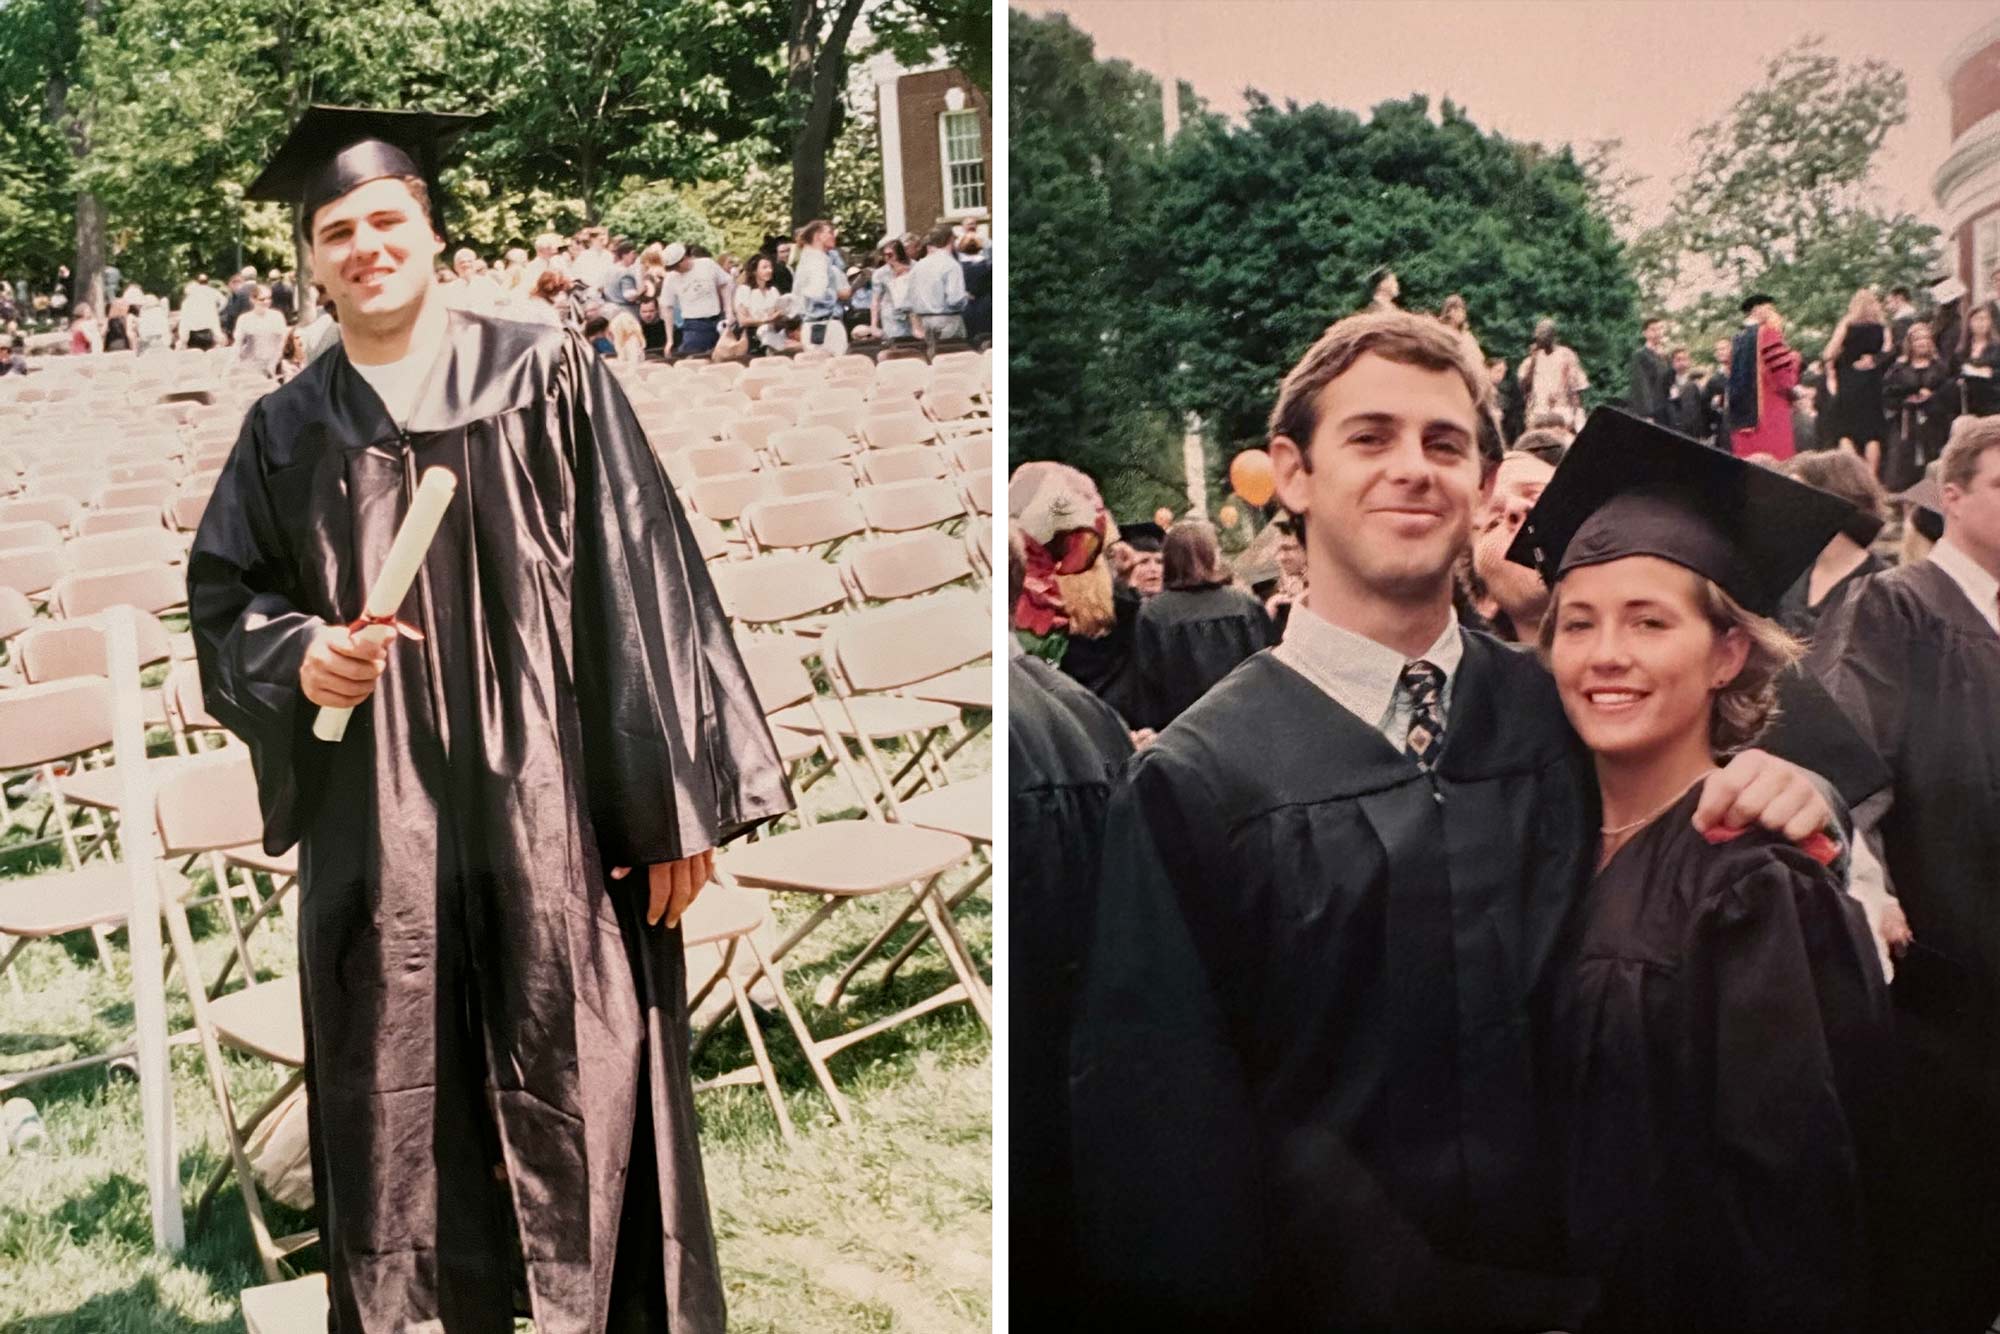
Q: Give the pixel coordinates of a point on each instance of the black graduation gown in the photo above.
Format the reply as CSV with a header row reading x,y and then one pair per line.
x,y
1918,670
1720,1029
1305,1071
1801,617
1104,666
1979,395
1651,385
1917,431
1812,732
1187,640
577,703
1065,748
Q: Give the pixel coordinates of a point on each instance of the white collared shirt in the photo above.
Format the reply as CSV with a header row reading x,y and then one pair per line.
x,y
1360,675
1979,586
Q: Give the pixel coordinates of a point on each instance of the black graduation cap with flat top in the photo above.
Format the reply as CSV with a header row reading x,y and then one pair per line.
x,y
334,149
1630,488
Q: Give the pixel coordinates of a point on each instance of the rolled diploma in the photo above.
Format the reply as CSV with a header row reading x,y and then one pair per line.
x,y
399,571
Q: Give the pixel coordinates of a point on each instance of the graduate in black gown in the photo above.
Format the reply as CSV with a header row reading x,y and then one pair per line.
x,y
1065,747
1916,393
1104,664
1307,1089
1846,558
496,1027
1720,1024
1196,630
1913,656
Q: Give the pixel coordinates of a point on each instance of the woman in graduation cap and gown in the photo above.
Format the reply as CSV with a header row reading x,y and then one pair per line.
x,y
1721,1023
496,1033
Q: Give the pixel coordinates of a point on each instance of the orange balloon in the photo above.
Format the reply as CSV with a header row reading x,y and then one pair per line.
x,y
1163,517
1228,516
1250,476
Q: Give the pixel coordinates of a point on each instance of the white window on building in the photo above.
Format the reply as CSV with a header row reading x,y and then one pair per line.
x,y
964,164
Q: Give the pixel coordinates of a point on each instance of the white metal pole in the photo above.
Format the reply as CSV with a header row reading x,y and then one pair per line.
x,y
138,832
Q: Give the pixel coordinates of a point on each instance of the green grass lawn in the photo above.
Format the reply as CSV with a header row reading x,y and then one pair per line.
x,y
884,1224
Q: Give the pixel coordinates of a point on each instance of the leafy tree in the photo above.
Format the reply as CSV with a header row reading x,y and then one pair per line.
x,y
1278,221
1083,159
819,48
658,212
1783,197
1274,222
754,201
37,202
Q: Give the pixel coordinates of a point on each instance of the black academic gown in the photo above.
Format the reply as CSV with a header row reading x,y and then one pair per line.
x,y
576,703
1065,747
1917,430
1801,617
1186,641
1652,385
1104,665
1721,1032
1918,669
1305,1070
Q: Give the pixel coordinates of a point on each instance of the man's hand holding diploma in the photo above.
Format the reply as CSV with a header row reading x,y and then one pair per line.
x,y
342,665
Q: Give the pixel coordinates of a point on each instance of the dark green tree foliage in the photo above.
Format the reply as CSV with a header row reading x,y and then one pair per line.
x,y
1146,284
38,42
1783,197
179,103
1270,228
1083,159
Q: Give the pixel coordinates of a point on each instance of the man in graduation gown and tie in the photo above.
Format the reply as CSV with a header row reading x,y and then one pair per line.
x,y
493,860
1313,1020
1913,654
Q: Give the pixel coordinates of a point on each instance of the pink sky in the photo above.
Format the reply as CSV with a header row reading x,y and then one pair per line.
x,y
1553,71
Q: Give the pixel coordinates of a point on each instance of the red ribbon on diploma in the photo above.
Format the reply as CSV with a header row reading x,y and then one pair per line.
x,y
403,628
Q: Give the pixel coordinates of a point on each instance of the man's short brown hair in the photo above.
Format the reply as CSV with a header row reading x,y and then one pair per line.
x,y
1971,437
1393,335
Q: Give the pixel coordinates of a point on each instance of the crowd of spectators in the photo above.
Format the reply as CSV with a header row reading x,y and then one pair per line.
x,y
660,300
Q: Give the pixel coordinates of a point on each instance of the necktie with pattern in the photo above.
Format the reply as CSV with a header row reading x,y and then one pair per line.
x,y
1423,682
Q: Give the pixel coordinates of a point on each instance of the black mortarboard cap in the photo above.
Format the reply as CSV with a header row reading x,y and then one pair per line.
x,y
1144,536
1924,496
334,149
1754,300
1926,504
1628,487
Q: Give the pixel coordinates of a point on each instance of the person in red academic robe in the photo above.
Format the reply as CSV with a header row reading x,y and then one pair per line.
x,y
1763,372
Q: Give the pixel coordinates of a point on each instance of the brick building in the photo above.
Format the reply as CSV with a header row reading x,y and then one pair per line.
x,y
1967,185
937,146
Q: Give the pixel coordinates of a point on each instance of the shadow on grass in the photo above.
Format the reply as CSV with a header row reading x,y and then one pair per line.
x,y
142,1306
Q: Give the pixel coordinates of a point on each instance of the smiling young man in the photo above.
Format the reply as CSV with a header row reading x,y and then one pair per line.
x,y
496,1026
1305,1073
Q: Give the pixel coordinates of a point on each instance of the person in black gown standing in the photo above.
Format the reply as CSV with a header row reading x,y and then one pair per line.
x,y
494,860
1913,656
1915,393
1718,1029
1978,364
1846,558
1859,351
1198,628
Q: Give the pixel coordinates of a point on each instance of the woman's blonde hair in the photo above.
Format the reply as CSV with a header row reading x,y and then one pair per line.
x,y
626,335
1742,709
1865,308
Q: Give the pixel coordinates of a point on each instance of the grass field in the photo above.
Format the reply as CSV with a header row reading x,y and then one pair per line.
x,y
882,1225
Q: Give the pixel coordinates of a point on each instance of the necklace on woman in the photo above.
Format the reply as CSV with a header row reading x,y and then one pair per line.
x,y
1615,831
